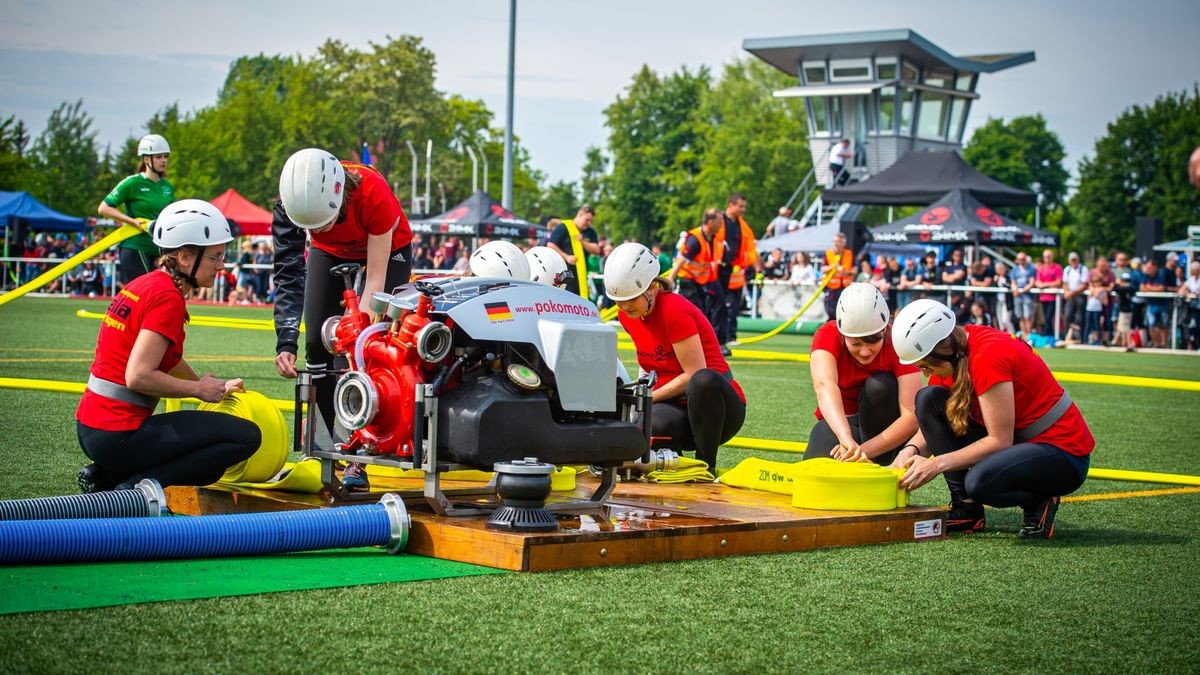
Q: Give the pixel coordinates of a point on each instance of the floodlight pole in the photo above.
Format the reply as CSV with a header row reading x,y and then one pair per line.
x,y
413,198
507,198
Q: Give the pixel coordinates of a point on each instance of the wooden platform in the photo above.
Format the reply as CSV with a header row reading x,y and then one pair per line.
x,y
643,522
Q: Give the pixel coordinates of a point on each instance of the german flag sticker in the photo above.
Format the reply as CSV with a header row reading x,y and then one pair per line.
x,y
498,311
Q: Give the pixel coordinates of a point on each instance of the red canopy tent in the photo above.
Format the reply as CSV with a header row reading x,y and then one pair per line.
x,y
252,220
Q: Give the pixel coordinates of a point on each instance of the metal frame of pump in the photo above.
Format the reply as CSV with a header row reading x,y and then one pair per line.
x,y
636,401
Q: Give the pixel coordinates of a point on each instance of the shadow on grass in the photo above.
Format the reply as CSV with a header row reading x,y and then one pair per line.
x,y
1088,537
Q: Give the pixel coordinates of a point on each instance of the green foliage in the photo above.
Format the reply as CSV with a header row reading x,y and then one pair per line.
x,y
656,128
1140,169
561,200
16,170
757,144
1022,153
67,162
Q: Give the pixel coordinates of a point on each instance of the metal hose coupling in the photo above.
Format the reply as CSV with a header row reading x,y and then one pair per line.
x,y
657,460
398,520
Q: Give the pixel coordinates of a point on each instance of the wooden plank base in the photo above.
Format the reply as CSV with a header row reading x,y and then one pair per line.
x,y
643,522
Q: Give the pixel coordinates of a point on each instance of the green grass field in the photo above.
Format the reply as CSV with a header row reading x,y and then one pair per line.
x,y
1117,589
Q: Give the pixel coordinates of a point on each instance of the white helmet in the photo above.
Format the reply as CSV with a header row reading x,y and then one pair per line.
x,y
629,270
499,259
311,187
919,327
153,144
861,310
190,221
545,264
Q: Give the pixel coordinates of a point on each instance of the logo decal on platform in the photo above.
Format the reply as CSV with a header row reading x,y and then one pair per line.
x,y
925,529
498,311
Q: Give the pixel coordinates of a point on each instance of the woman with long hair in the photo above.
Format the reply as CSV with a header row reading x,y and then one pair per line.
x,y
139,358
994,421
697,403
348,213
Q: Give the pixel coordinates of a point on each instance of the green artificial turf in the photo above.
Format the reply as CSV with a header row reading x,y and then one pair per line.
x,y
1114,591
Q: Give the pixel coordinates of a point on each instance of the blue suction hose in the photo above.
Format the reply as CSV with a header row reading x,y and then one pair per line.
x,y
385,523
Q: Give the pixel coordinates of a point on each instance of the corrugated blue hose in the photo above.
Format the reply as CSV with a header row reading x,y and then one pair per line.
x,y
102,539
144,500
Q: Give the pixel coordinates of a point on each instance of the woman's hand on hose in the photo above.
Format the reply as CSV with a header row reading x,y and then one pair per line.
x,y
235,385
845,451
211,388
285,363
906,453
919,471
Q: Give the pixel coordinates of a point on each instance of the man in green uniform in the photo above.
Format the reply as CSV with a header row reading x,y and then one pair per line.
x,y
144,195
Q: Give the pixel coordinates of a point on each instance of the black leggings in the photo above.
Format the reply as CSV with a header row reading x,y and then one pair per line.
x,y
134,263
187,447
878,408
323,299
713,414
1024,475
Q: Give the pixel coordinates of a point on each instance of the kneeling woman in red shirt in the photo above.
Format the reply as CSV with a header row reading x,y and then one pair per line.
x,y
864,394
139,358
1000,427
697,403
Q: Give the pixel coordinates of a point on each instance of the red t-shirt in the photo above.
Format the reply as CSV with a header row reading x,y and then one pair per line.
x,y
1049,274
852,374
993,357
373,209
673,319
150,302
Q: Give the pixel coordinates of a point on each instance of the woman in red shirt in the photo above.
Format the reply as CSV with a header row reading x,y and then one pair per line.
x,y
697,403
998,425
139,358
348,214
864,394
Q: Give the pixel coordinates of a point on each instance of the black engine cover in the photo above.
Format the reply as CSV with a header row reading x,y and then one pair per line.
x,y
485,420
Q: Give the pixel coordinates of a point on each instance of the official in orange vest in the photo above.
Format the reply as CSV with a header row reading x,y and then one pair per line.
x,y
841,259
694,271
737,247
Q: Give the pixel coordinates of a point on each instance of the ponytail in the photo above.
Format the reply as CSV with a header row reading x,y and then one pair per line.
x,y
953,350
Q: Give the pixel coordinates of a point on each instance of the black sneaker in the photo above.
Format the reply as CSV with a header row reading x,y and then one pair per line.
x,y
1039,521
725,351
966,517
92,478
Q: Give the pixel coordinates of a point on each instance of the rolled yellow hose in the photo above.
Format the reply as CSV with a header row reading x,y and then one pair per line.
x,y
270,456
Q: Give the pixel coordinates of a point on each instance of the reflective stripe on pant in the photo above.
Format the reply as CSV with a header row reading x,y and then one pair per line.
x,y
187,447
1022,475
712,415
878,408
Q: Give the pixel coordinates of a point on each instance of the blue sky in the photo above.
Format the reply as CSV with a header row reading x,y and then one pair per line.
x,y
128,59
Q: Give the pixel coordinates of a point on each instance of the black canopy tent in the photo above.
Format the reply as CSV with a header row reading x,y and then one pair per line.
x,y
960,218
479,216
922,177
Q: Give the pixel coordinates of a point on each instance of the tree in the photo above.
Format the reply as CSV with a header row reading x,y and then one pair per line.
x,y
561,199
593,186
65,156
1140,169
16,171
1022,153
756,144
656,129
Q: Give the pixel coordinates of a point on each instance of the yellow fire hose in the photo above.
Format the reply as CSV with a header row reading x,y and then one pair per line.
x,y
119,235
736,441
795,317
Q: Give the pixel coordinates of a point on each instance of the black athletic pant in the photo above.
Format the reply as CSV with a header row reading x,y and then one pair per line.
x,y
1024,475
878,408
831,300
187,447
323,299
713,414
718,314
700,296
134,263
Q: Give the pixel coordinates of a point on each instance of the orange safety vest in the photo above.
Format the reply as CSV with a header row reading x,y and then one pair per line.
x,y
700,269
844,276
745,256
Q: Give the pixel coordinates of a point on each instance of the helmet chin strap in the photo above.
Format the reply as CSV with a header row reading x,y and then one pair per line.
x,y
190,277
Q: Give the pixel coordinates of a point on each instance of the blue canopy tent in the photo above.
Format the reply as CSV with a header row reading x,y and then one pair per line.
x,y
21,206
